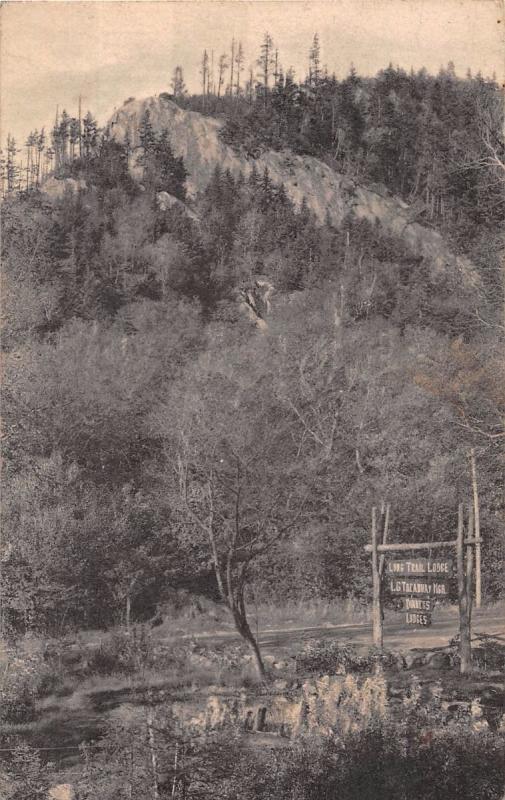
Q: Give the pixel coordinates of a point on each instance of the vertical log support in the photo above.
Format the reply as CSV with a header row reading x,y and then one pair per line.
x,y
465,646
377,626
470,562
475,490
154,760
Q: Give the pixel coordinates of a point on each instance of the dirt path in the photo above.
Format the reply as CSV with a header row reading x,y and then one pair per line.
x,y
397,636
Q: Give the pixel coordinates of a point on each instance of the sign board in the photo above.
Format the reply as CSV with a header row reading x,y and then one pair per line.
x,y
419,618
417,604
426,587
441,567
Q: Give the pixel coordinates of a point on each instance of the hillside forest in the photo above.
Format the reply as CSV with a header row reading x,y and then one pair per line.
x,y
157,443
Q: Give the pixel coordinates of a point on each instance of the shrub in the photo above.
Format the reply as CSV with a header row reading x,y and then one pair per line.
x,y
28,777
379,762
490,653
17,692
17,702
393,760
333,658
47,680
122,653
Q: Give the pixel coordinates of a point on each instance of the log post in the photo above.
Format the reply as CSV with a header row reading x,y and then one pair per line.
x,y
377,626
385,533
465,645
154,760
470,566
475,490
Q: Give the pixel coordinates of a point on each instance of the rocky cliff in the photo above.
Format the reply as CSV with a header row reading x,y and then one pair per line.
x,y
328,194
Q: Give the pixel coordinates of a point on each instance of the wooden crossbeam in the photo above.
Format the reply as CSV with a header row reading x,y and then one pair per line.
x,y
405,546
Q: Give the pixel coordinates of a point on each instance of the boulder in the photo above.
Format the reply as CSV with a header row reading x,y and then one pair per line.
x,y
397,661
63,791
415,660
441,661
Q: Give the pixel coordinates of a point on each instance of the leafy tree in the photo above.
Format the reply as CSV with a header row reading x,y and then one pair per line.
x,y
233,470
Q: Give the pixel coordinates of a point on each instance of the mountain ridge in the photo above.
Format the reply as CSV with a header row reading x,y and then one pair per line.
x,y
329,195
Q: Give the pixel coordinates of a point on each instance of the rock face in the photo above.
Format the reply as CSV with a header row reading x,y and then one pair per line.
x,y
166,201
329,195
56,187
255,301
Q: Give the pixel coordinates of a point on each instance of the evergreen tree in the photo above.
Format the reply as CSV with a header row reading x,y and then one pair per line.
x,y
315,62
147,140
266,62
221,71
253,179
40,144
204,72
169,169
74,136
64,135
12,169
89,135
179,90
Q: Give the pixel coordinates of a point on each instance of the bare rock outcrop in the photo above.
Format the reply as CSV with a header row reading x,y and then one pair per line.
x,y
64,791
255,301
166,201
56,187
329,195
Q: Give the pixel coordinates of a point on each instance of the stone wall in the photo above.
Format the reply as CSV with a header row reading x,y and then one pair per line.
x,y
337,704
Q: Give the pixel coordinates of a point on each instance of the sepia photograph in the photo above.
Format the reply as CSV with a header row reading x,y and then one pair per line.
x,y
252,520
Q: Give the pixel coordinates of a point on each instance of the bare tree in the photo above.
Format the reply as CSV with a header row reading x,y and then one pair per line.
x,y
239,63
232,65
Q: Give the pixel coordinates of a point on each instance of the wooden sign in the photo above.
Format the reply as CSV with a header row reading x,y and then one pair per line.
x,y
420,618
417,604
441,567
426,587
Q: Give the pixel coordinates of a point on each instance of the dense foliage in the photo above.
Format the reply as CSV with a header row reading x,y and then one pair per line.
x,y
405,760
139,397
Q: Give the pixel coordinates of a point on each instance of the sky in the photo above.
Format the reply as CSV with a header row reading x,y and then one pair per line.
x,y
52,52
